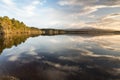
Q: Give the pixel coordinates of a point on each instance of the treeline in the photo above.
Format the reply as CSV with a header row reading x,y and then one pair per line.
x,y
52,31
9,26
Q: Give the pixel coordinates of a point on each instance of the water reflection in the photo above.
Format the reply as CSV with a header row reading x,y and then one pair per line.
x,y
9,40
63,58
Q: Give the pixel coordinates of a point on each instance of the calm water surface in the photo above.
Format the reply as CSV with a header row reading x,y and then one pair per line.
x,y
60,57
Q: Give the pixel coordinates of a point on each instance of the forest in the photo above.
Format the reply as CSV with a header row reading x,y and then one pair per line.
x,y
11,26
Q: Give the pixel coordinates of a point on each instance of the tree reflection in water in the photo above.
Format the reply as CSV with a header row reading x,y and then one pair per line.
x,y
9,40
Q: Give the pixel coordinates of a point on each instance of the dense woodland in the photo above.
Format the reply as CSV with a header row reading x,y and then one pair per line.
x,y
13,26
9,26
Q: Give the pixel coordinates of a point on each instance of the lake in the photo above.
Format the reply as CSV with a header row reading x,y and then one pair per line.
x,y
60,57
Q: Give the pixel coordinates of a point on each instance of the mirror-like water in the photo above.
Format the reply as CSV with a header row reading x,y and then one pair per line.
x,y
61,57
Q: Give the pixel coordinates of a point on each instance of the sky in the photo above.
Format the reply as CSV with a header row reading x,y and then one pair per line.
x,y
64,14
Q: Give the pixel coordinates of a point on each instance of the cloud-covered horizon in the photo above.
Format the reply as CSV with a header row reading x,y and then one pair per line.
x,y
64,13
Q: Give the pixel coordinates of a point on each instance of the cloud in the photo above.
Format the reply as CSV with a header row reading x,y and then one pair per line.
x,y
115,16
30,9
33,13
63,14
97,55
117,70
113,3
13,58
89,6
108,42
23,10
111,21
76,25
76,2
62,67
85,9
8,2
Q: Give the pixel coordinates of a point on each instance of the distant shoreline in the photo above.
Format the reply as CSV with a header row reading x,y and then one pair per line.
x,y
13,26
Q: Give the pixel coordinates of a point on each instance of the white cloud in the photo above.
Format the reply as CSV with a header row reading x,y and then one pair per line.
x,y
85,8
33,13
89,2
90,9
8,2
111,21
23,12
13,58
108,42
96,55
111,16
62,67
76,25
75,2
89,6
30,9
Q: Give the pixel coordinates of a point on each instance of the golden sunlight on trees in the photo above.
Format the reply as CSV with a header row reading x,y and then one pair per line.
x,y
9,26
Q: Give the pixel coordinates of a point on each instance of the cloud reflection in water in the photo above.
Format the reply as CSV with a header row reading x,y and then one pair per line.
x,y
64,58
